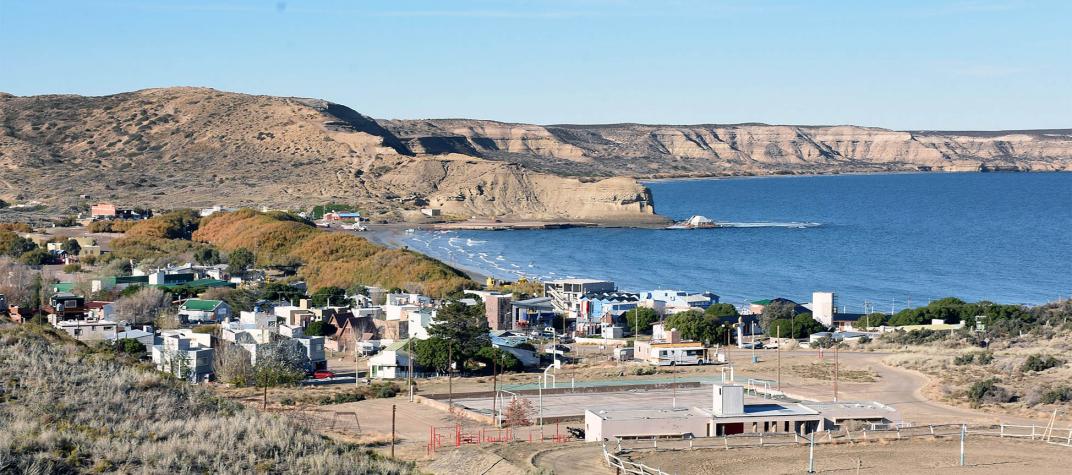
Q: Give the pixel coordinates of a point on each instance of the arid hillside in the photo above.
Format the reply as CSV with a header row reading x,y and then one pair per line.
x,y
658,151
188,147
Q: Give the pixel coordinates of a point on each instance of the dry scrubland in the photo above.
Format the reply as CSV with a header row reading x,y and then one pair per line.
x,y
65,408
327,258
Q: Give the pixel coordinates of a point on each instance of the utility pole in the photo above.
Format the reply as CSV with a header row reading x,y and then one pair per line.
x,y
835,371
494,388
450,380
779,359
811,455
409,371
963,431
393,410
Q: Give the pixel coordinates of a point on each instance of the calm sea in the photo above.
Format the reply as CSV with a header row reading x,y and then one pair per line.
x,y
888,240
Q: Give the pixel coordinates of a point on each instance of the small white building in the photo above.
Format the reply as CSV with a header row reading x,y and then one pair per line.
x,y
183,357
89,329
666,348
204,311
390,363
314,349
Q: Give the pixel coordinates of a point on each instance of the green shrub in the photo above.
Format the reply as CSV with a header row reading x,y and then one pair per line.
x,y
1055,395
385,390
1040,363
644,370
965,359
72,268
287,401
988,391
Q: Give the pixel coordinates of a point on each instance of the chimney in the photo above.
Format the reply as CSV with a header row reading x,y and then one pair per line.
x,y
303,304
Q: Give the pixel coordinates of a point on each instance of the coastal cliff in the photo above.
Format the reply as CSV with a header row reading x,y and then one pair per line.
x,y
665,151
190,147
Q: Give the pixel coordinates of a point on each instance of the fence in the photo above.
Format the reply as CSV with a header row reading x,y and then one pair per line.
x,y
457,435
616,458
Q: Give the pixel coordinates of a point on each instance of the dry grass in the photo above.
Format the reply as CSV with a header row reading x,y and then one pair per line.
x,y
1025,389
824,371
64,409
329,259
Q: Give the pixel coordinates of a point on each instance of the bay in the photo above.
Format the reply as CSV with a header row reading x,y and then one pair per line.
x,y
885,241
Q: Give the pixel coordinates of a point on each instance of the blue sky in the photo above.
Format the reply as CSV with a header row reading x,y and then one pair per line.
x,y
954,65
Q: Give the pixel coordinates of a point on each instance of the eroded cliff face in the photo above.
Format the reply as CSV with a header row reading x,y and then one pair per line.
x,y
749,149
185,147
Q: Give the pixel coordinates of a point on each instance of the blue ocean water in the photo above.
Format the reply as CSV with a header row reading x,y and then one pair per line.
x,y
891,240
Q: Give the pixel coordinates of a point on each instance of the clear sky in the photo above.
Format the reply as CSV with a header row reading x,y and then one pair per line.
x,y
954,65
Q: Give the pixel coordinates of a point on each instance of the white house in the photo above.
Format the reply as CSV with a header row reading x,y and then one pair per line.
x,y
204,311
90,329
390,363
314,349
184,358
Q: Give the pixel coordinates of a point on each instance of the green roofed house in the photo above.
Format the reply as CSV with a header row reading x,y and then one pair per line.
x,y
118,282
203,311
63,287
199,284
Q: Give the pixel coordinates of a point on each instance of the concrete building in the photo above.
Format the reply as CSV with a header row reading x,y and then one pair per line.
x,y
823,308
669,302
602,309
732,412
566,294
145,336
314,349
536,313
89,329
498,310
183,357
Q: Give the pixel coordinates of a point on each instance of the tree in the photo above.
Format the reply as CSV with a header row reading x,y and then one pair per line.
x,y
431,353
207,256
465,327
142,306
494,357
280,363
518,413
72,247
232,364
17,283
640,320
320,328
325,296
13,245
808,324
776,310
36,257
721,310
874,319
277,291
695,325
239,261
129,346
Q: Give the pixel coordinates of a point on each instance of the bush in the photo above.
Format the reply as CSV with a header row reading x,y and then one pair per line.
x,y
342,398
1055,395
71,268
1040,363
645,370
385,390
988,391
981,358
130,346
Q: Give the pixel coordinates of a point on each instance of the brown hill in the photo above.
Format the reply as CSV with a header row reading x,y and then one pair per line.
x,y
659,151
186,147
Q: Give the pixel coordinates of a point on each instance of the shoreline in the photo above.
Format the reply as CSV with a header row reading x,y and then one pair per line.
x,y
393,235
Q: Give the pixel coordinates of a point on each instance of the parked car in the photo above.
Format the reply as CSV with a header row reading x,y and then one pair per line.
x,y
323,374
